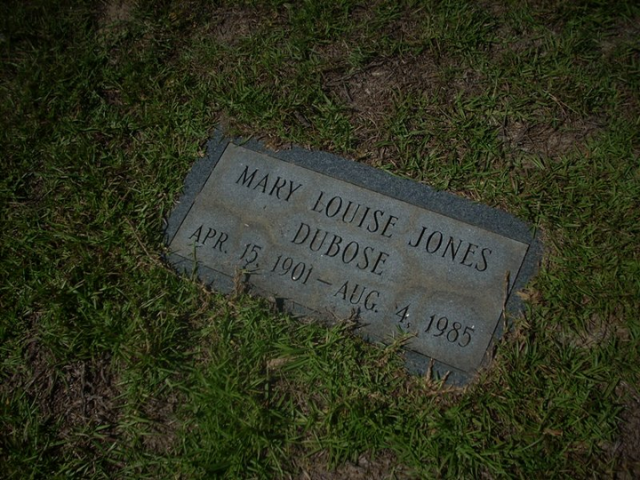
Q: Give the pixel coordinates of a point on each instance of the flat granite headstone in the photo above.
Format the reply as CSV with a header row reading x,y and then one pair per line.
x,y
332,239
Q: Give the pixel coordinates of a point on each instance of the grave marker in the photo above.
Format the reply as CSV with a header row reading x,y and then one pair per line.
x,y
330,238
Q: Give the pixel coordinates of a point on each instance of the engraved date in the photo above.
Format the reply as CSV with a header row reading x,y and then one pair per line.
x,y
289,268
451,331
439,327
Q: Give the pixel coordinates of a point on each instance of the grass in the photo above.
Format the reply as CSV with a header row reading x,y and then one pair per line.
x,y
113,366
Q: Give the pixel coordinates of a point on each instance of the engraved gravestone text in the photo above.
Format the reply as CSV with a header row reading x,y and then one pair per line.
x,y
337,248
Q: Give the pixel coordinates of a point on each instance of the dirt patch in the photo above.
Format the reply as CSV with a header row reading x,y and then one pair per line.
x,y
383,465
77,401
230,26
371,94
628,446
116,11
83,398
80,395
546,140
162,434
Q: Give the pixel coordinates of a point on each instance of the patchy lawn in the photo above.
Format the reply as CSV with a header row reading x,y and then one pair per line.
x,y
113,366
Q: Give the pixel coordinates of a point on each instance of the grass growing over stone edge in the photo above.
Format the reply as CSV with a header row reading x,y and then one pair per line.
x,y
114,366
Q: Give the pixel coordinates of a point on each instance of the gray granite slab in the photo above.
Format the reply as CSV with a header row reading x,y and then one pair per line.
x,y
331,238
